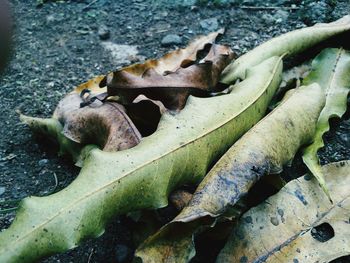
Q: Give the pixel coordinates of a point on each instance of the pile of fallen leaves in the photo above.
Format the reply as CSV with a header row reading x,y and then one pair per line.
x,y
198,117
113,111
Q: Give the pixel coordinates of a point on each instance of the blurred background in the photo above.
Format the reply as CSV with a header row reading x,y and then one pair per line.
x,y
5,32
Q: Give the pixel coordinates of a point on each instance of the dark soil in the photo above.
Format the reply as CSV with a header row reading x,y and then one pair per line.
x,y
57,46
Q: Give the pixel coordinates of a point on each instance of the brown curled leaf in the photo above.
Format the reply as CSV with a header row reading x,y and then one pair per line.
x,y
93,85
173,77
172,61
104,124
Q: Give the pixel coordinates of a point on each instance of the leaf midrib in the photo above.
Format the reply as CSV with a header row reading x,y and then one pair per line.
x,y
61,211
331,81
298,234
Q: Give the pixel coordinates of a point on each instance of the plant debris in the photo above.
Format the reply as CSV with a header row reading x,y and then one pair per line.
x,y
298,224
101,124
175,76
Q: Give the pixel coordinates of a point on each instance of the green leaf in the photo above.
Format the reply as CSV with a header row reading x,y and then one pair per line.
x,y
298,224
291,43
331,70
263,150
109,184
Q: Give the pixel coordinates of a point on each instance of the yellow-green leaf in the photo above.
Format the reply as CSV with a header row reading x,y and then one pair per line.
x,y
291,43
263,150
109,184
331,70
298,224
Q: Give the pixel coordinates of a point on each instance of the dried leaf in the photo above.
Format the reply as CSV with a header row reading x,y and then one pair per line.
x,y
93,85
173,77
298,224
331,70
142,177
291,43
103,124
106,125
268,146
176,59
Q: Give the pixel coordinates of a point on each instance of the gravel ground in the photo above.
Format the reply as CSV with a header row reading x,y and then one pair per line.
x,y
59,45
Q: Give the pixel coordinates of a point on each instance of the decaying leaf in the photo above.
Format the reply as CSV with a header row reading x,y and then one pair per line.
x,y
172,78
331,70
298,224
114,183
93,85
178,153
106,125
178,58
263,150
109,126
292,42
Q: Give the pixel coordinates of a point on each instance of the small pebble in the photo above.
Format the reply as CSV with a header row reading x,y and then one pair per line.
x,y
281,16
210,24
103,32
2,190
43,162
171,39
